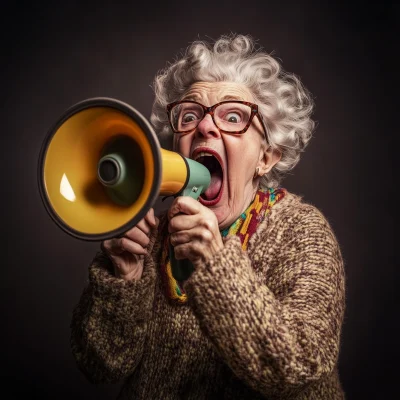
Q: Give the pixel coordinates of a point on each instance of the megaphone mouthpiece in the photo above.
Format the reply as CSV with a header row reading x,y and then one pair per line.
x,y
109,171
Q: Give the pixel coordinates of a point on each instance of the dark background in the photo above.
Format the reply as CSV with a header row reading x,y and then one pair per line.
x,y
53,56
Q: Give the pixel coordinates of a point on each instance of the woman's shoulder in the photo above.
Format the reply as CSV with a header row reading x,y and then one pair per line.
x,y
293,225
293,207
294,216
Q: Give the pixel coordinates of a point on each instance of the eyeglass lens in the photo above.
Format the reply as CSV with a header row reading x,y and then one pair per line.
x,y
230,117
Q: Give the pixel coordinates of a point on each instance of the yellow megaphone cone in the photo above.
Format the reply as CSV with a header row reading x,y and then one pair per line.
x,y
101,168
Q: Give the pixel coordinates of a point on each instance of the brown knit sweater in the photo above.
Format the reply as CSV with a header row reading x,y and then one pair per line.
x,y
265,323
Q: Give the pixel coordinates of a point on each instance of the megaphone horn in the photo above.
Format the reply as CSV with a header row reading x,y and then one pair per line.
x,y
101,168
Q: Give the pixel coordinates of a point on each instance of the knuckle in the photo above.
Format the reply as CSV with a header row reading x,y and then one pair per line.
x,y
123,243
179,200
180,252
208,224
146,241
105,245
145,227
177,238
172,225
205,235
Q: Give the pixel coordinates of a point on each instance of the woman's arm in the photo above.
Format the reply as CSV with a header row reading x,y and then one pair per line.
x,y
283,333
109,323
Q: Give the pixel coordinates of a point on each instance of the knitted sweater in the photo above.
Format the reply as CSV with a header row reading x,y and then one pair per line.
x,y
261,324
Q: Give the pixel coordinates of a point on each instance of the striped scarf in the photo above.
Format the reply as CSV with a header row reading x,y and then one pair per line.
x,y
244,227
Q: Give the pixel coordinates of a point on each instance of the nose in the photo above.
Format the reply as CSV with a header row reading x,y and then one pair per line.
x,y
207,128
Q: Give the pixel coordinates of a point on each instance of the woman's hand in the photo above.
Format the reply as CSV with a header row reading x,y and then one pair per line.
x,y
127,252
194,230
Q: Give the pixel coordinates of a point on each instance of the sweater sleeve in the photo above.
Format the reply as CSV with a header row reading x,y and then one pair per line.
x,y
278,334
109,323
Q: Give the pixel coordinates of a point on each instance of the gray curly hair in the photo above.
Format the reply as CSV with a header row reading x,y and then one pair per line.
x,y
285,104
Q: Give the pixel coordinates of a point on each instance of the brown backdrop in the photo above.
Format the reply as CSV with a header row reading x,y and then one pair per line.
x,y
54,56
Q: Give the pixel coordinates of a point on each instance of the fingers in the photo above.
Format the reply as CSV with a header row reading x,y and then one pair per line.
x,y
138,235
146,224
194,230
183,222
199,234
118,246
199,216
184,213
135,240
194,251
198,245
184,205
122,266
142,225
151,219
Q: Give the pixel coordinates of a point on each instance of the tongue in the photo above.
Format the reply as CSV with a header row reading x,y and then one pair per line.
x,y
214,188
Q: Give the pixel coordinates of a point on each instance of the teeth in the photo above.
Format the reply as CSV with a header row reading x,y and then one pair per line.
x,y
203,154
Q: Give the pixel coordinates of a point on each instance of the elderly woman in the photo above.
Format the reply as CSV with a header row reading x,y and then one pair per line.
x,y
261,314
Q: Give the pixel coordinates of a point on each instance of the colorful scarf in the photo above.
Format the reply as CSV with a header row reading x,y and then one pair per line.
x,y
244,227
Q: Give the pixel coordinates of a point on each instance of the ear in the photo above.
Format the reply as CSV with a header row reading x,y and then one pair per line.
x,y
268,158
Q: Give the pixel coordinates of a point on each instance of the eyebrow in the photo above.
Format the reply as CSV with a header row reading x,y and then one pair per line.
x,y
194,97
231,97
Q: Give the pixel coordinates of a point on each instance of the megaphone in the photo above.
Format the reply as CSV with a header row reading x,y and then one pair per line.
x,y
101,168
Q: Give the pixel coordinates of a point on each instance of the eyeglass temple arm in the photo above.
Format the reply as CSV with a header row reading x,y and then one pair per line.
x,y
261,119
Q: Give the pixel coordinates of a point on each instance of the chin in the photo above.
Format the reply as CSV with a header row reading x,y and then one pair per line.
x,y
223,214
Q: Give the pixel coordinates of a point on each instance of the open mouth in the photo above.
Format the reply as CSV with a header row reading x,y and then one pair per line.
x,y
213,163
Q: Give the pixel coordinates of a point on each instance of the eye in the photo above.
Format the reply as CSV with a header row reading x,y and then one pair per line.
x,y
233,117
189,117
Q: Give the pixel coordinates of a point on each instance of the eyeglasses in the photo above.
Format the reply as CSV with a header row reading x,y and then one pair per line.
x,y
228,116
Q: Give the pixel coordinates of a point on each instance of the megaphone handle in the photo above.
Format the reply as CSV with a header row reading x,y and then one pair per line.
x,y
199,179
181,269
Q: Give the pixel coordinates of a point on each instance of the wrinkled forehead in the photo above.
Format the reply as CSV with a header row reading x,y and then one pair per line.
x,y
210,93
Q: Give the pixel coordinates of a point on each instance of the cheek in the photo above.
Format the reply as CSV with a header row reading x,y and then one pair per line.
x,y
243,159
182,145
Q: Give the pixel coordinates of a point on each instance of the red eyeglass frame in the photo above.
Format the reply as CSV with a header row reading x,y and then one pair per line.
x,y
210,110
